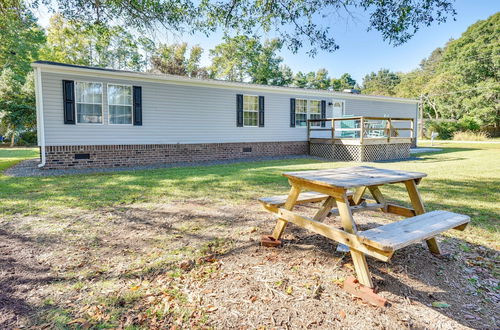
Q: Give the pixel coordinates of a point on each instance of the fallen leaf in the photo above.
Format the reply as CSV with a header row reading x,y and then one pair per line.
x,y
342,314
80,320
135,288
211,308
349,266
339,281
440,304
289,290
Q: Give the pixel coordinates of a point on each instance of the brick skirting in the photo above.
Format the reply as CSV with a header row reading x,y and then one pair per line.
x,y
129,155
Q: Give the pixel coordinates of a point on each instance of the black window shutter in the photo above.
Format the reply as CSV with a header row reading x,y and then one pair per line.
x,y
69,102
323,112
261,111
292,112
239,110
137,96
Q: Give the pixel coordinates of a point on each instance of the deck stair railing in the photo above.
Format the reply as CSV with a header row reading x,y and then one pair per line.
x,y
362,127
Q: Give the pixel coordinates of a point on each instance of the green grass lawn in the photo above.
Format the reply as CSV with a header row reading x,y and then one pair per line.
x,y
462,178
97,250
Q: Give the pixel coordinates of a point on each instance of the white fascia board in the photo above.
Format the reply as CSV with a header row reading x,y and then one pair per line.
x,y
179,80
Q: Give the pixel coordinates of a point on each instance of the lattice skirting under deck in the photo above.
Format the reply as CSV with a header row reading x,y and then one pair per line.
x,y
360,153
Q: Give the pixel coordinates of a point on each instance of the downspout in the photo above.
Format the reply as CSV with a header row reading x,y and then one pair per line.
x,y
39,115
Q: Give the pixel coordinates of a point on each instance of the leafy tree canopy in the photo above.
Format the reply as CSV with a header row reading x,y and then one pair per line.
x,y
71,41
295,22
17,104
243,58
462,79
383,82
172,59
20,38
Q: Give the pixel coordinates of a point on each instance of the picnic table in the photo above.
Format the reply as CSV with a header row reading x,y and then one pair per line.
x,y
342,192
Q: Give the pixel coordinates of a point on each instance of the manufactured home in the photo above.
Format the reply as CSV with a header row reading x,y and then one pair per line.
x,y
95,117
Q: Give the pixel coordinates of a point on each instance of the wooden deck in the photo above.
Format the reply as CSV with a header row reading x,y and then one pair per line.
x,y
361,138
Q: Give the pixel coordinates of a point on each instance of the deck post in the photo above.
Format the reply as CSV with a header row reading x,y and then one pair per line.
x,y
390,130
308,130
362,132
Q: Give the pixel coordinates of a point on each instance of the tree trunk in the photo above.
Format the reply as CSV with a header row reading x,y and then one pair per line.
x,y
12,139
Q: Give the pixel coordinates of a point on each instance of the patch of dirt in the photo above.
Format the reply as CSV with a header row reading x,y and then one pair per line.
x,y
21,275
197,264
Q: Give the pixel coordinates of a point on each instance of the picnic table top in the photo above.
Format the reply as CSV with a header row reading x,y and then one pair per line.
x,y
351,177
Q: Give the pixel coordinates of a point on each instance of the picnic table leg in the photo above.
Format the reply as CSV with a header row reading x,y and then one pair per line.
x,y
325,209
418,205
377,194
358,258
290,203
358,194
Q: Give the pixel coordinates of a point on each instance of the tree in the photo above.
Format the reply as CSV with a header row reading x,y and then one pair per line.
x,y
20,38
460,80
17,104
300,80
294,21
344,82
383,82
465,81
284,78
243,58
74,42
172,59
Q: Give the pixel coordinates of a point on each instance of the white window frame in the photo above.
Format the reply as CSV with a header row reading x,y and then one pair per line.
x,y
131,104
253,111
102,102
307,111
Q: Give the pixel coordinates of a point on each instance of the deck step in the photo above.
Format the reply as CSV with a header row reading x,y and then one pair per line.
x,y
397,235
305,197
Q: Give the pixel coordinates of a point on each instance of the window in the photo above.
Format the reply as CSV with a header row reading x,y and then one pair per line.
x,y
300,113
88,102
120,104
307,109
250,111
315,111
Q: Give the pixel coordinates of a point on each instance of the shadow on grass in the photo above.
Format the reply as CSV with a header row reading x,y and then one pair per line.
x,y
414,274
228,183
19,274
416,263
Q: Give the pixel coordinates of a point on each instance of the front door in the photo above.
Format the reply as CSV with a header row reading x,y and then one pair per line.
x,y
338,108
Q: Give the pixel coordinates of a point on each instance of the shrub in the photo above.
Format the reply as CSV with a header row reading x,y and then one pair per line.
x,y
470,136
27,138
468,124
445,129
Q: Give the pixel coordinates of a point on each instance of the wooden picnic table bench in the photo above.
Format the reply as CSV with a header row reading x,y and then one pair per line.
x,y
333,187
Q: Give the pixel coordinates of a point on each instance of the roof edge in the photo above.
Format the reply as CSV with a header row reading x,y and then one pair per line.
x,y
210,82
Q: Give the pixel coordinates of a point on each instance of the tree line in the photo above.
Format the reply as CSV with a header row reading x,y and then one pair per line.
x,y
458,81
458,84
237,58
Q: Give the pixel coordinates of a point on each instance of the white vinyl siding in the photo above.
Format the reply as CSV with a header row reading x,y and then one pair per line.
x,y
119,104
88,102
185,114
250,111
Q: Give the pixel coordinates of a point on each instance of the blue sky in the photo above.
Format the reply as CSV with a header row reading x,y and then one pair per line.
x,y
360,51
